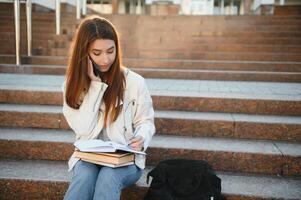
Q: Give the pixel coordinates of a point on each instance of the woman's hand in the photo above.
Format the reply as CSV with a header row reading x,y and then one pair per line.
x,y
91,73
136,143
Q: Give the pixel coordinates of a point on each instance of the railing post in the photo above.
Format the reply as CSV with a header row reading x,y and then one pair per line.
x,y
282,2
17,30
58,16
29,26
78,9
222,7
231,7
84,7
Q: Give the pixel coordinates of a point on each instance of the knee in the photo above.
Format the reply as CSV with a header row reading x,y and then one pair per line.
x,y
109,178
83,181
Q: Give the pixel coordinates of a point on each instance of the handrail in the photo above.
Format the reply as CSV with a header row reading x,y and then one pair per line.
x,y
17,30
78,7
84,11
58,16
29,26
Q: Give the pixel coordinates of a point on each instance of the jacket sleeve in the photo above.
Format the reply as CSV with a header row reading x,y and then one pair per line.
x,y
83,120
144,115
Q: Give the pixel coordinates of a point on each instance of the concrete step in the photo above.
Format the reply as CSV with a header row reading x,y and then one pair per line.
x,y
225,75
295,57
168,24
229,56
196,74
40,179
223,48
226,125
232,155
149,32
206,64
8,9
36,29
166,39
273,66
219,40
161,42
196,21
132,34
8,39
201,55
9,45
171,94
193,124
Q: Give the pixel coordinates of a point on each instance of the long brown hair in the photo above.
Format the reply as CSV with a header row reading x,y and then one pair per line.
x,y
78,81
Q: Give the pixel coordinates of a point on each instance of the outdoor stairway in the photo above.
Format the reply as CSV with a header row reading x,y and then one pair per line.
x,y
226,89
230,48
267,71
248,131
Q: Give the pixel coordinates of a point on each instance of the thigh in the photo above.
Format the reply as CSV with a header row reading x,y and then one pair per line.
x,y
84,170
83,181
122,176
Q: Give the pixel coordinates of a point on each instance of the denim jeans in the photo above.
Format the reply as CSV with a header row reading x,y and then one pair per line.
x,y
91,181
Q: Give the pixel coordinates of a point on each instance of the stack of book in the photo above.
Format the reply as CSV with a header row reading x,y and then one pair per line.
x,y
105,153
116,159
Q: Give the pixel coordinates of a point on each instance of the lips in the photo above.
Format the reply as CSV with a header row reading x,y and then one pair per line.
x,y
104,68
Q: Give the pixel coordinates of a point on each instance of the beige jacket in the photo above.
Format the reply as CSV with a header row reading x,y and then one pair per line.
x,y
136,117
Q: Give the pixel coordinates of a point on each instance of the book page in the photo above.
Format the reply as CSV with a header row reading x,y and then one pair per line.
x,y
94,146
97,145
126,148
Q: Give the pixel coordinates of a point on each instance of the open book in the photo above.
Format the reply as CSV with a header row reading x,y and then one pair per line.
x,y
98,146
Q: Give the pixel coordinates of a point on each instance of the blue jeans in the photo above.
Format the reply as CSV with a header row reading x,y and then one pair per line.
x,y
91,181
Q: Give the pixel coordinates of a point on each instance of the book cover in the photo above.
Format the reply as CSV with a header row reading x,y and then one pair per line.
x,y
112,158
98,146
108,164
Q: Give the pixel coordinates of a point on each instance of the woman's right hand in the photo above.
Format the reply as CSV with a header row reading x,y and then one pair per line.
x,y
91,73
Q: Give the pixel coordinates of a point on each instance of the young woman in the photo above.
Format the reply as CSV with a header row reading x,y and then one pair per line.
x,y
109,102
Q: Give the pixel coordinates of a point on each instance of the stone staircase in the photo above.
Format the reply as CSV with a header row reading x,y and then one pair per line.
x,y
225,89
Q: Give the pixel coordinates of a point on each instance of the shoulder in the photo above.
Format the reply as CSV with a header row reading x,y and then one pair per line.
x,y
136,88
134,80
132,76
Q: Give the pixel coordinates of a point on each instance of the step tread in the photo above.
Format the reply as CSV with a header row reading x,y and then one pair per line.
x,y
230,117
163,59
214,71
149,69
232,183
174,142
173,87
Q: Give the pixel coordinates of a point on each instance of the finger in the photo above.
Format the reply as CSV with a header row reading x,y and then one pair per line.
x,y
137,147
91,73
136,144
135,139
90,69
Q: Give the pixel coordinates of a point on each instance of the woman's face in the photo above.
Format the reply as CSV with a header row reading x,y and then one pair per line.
x,y
103,53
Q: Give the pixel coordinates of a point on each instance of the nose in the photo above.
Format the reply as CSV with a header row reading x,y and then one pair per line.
x,y
104,59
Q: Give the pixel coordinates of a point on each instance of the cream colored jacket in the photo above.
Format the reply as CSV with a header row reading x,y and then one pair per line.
x,y
135,119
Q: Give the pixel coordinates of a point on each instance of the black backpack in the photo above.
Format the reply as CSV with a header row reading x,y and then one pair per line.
x,y
181,179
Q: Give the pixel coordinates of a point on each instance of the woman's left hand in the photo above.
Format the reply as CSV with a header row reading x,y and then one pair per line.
x,y
136,143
